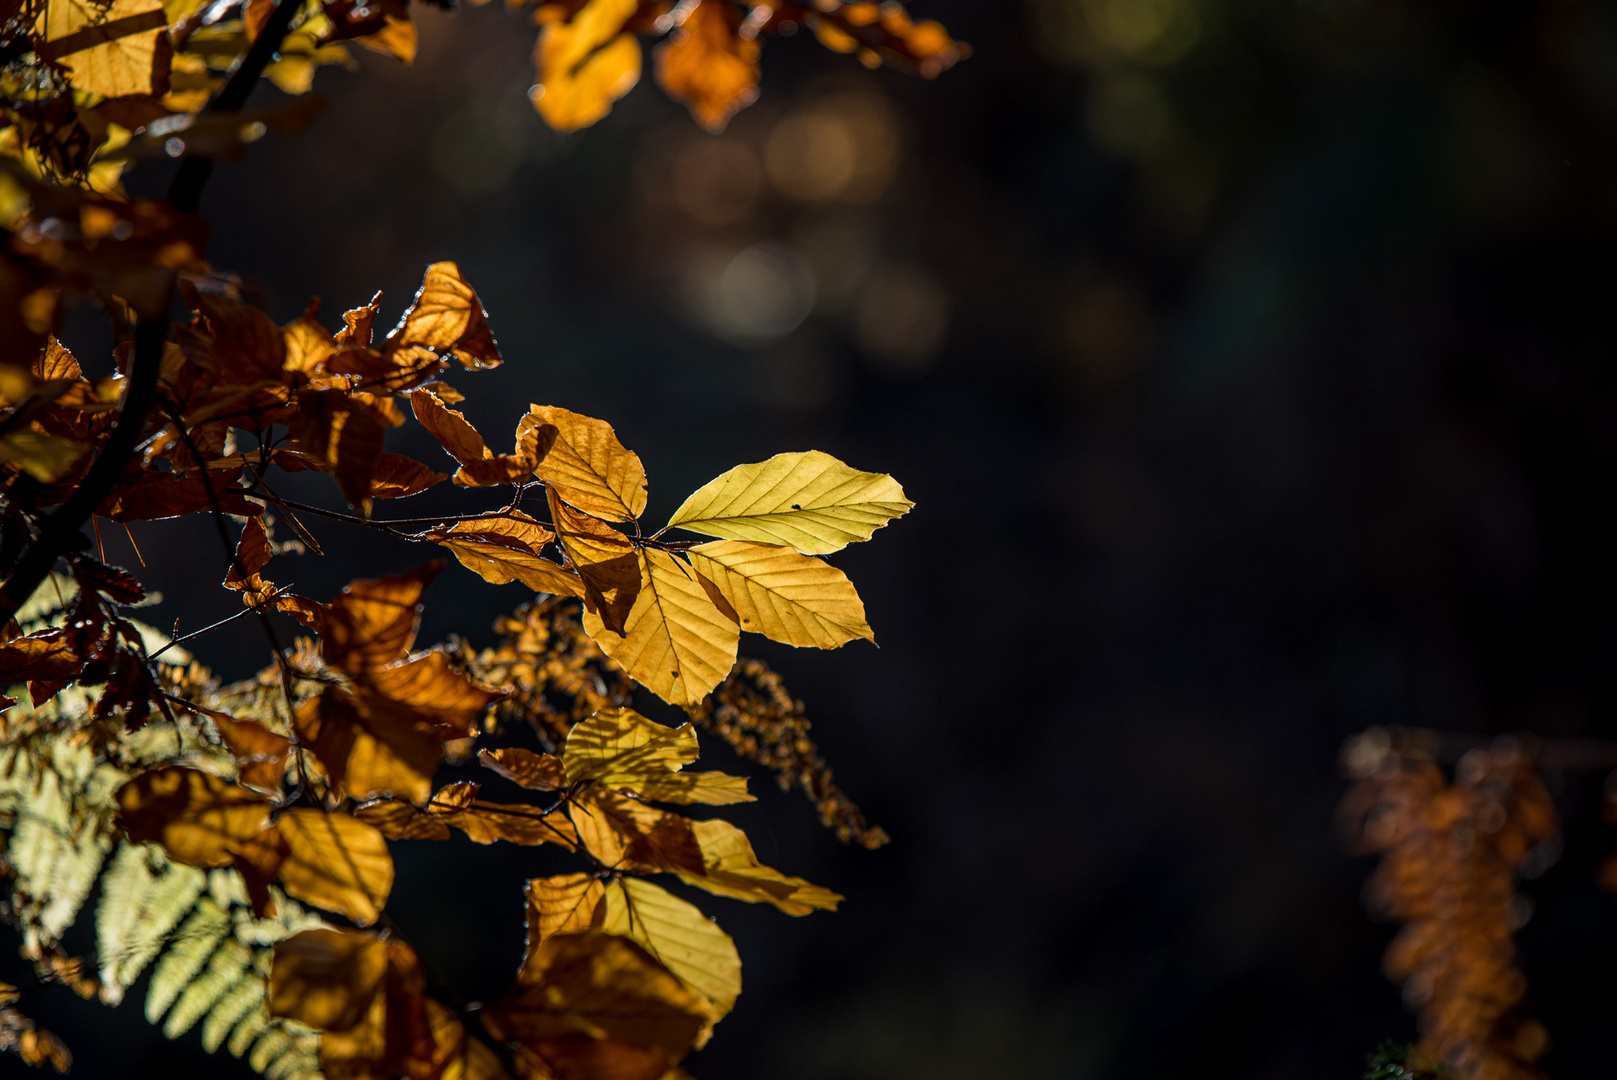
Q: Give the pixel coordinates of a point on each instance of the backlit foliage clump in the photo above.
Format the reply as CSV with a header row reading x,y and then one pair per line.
x,y
89,85
238,836
1451,855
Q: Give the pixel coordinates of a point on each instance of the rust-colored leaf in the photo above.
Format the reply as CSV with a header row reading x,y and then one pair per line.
x,y
601,986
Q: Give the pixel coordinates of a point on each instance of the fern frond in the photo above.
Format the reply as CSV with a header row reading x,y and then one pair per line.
x,y
209,956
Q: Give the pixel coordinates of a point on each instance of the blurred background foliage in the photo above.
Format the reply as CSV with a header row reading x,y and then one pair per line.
x,y
1252,366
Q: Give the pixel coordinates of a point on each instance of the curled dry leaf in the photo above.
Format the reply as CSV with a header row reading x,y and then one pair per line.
x,y
605,560
483,822
542,772
506,547
731,869
447,317
810,502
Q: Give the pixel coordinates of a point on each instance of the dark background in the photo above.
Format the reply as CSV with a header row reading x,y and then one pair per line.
x,y
1251,365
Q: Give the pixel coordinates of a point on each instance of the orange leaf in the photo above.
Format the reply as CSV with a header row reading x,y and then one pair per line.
x,y
542,772
199,819
625,834
600,986
47,656
367,754
372,623
336,862
397,476
565,904
431,691
708,65
326,978
260,753
581,459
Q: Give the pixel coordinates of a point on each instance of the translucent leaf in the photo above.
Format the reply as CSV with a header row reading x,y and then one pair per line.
x,y
807,501
791,598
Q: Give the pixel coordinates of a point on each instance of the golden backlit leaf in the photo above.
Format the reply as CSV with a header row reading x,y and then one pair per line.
x,y
47,656
583,461
603,987
542,772
625,834
675,642
429,688
336,862
372,623
107,48
808,501
459,439
731,869
447,317
483,822
506,547
326,978
585,64
368,754
260,753
708,65
345,437
199,819
604,558
679,936
397,476
564,904
620,749
791,598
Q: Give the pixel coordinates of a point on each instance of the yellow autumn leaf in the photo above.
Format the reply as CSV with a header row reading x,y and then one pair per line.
x,y
791,598
585,64
107,49
675,642
336,862
563,904
506,548
582,459
731,869
542,772
679,936
807,501
620,749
